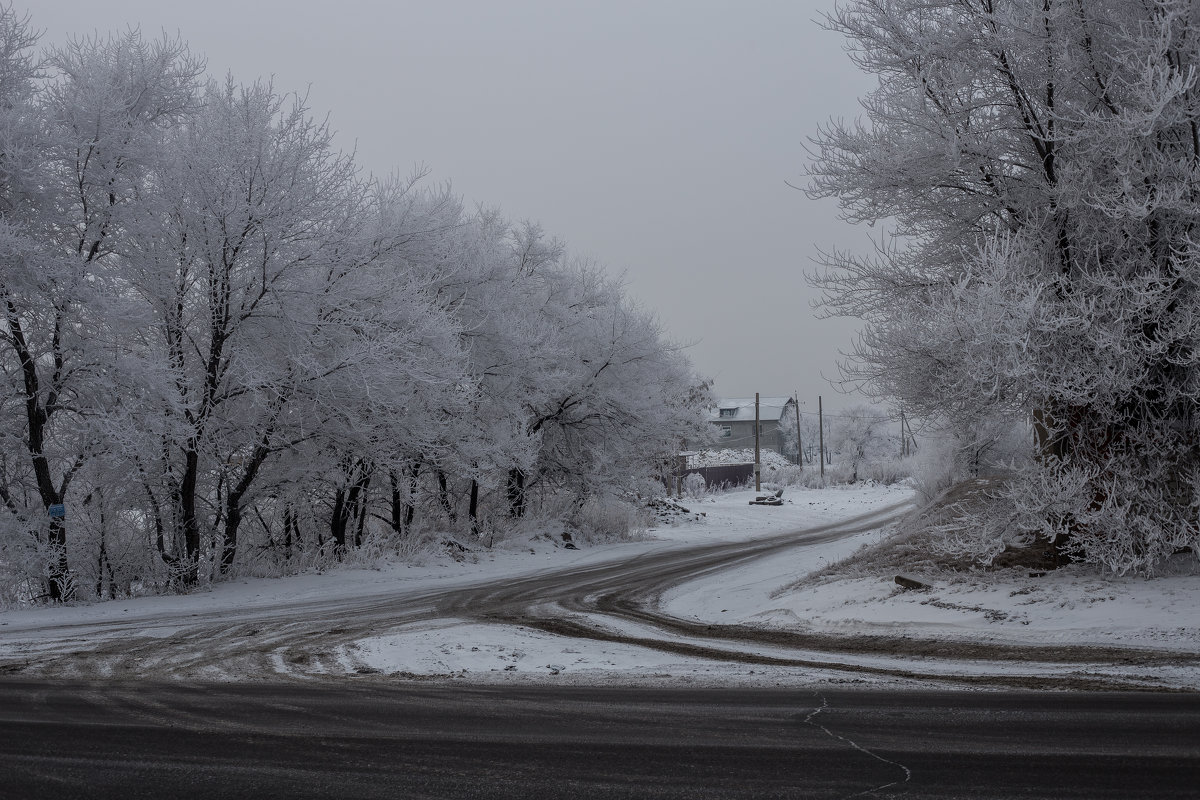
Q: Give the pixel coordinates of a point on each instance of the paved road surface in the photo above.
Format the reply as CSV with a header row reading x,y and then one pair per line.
x,y
126,740
153,728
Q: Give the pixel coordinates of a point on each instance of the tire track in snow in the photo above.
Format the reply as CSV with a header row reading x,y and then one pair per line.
x,y
616,601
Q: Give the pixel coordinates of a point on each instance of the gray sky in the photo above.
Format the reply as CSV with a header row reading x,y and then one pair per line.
x,y
652,136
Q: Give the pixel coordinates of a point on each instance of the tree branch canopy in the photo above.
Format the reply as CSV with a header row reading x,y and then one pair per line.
x,y
1036,164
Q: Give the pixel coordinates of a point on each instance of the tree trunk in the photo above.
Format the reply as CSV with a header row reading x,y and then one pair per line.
x,y
190,574
474,509
397,504
233,520
403,512
237,494
410,510
337,523
102,562
288,522
516,493
358,503
37,416
444,496
349,503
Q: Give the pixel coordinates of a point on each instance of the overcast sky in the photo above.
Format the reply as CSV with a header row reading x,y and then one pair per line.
x,y
655,137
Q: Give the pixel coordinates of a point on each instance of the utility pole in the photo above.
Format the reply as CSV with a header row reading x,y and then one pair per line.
x,y
757,456
903,436
821,428
799,443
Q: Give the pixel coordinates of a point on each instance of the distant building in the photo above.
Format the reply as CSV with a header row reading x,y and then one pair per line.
x,y
733,419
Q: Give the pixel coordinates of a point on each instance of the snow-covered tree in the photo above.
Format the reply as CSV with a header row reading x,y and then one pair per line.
x,y
861,436
253,215
1039,164
615,412
77,154
394,379
220,344
575,389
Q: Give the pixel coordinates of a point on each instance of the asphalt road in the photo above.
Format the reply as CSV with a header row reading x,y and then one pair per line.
x,y
298,724
183,740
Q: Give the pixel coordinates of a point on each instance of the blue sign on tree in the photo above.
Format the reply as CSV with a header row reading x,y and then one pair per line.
x,y
57,511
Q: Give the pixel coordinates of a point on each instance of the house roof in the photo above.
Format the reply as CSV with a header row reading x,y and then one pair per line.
x,y
769,408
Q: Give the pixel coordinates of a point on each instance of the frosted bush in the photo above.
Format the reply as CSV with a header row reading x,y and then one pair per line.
x,y
978,536
888,471
694,486
934,468
605,519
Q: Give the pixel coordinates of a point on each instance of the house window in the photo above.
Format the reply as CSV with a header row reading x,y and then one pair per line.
x,y
726,431
728,412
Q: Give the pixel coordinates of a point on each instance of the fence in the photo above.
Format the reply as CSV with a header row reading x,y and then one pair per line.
x,y
722,475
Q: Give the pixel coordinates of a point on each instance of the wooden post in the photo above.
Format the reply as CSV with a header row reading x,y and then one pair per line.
x,y
799,442
903,436
757,456
821,428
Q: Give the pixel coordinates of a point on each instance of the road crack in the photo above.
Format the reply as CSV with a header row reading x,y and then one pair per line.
x,y
810,720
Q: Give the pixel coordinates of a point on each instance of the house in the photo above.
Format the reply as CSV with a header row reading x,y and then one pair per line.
x,y
733,419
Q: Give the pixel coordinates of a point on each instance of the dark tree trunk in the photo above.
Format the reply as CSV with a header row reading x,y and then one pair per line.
x,y
516,493
358,504
187,516
444,496
237,495
337,523
397,520
38,411
160,543
474,509
349,504
233,520
410,510
103,564
403,512
288,523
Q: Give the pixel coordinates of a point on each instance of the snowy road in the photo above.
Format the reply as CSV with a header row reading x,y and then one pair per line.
x,y
600,609
319,636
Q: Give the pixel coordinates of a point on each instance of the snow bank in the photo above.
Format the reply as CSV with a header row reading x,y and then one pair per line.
x,y
1075,605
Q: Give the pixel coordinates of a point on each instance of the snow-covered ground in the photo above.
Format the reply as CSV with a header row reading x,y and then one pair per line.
x,y
1075,605
458,648
1069,607
720,518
